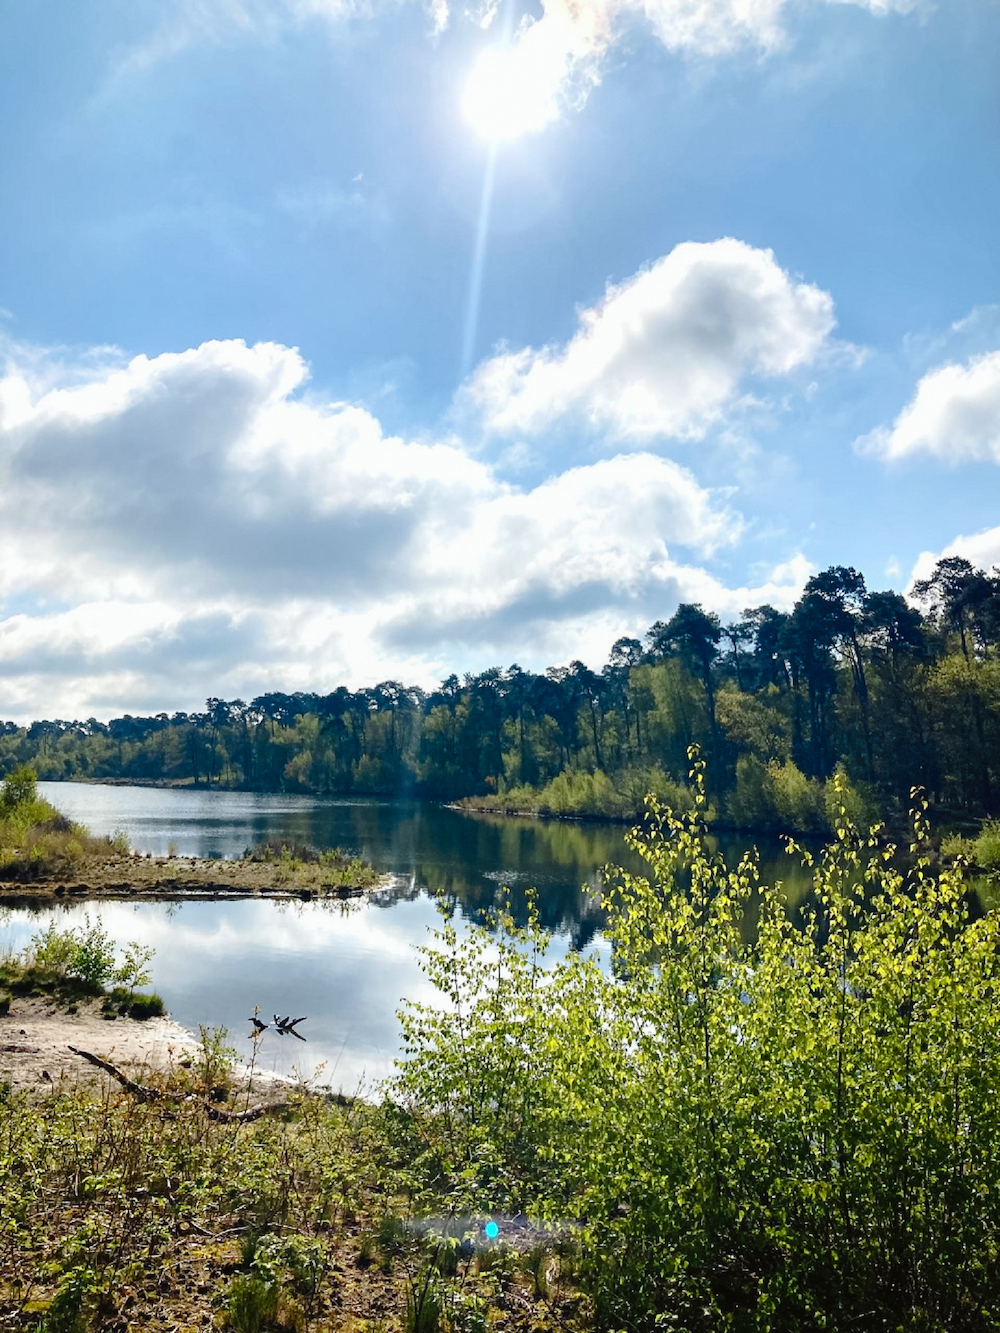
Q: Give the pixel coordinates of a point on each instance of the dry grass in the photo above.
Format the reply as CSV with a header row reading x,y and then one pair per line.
x,y
118,1213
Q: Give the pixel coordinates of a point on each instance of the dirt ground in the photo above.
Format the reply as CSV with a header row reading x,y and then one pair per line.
x,y
36,1035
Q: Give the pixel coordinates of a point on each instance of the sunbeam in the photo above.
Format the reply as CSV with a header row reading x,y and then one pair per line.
x,y
478,262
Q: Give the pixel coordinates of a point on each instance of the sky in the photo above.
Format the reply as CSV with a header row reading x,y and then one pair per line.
x,y
354,340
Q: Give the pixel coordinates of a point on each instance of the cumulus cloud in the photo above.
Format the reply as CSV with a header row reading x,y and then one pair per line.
x,y
194,522
666,351
982,548
954,416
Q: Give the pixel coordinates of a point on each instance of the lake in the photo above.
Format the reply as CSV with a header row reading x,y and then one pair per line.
x,y
348,966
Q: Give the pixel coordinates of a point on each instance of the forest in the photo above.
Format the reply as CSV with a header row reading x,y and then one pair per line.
x,y
887,692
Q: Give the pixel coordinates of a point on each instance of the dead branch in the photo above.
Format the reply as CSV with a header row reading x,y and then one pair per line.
x,y
154,1094
129,1084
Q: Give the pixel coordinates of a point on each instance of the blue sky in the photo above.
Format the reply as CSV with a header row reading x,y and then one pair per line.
x,y
343,341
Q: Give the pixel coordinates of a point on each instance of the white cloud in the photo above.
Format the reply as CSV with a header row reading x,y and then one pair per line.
x,y
185,24
192,523
954,416
982,548
555,59
560,53
665,352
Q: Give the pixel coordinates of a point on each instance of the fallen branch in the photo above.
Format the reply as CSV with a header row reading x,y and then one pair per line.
x,y
129,1084
154,1094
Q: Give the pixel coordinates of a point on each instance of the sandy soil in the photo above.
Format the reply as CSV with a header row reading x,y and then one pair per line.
x,y
36,1035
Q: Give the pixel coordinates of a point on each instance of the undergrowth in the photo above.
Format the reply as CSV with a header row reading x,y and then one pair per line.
x,y
36,841
118,1212
68,966
798,1132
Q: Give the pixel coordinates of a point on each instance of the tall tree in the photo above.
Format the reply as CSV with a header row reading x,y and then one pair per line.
x,y
694,634
839,596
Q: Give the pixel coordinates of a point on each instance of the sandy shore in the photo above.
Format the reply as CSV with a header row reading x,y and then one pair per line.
x,y
36,1035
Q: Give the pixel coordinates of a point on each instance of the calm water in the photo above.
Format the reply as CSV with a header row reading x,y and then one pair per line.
x,y
347,968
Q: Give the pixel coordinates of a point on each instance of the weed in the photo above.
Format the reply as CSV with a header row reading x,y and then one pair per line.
x,y
214,1057
251,1304
424,1303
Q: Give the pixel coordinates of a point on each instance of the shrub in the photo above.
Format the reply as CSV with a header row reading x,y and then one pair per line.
x,y
88,955
796,1131
19,788
778,797
986,847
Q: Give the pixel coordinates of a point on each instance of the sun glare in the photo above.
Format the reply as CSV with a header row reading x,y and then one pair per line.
x,y
510,92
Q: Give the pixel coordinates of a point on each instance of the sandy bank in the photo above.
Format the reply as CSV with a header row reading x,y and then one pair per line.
x,y
36,1035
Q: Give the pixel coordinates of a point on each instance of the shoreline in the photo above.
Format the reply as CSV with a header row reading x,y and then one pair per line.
x,y
170,878
36,1036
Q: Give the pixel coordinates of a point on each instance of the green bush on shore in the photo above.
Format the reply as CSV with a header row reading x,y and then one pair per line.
x,y
37,841
794,1133
575,793
72,964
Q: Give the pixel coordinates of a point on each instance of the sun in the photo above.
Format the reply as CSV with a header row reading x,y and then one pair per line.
x,y
510,93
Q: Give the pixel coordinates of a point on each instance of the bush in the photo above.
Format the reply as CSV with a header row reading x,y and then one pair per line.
x,y
795,1132
778,797
574,793
87,955
986,847
18,789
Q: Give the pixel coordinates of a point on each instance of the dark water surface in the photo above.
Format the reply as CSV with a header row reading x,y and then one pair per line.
x,y
347,968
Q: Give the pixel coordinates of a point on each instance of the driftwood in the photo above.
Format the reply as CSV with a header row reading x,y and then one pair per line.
x,y
154,1094
129,1084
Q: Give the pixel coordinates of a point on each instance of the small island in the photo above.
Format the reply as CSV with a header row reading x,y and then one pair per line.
x,y
43,855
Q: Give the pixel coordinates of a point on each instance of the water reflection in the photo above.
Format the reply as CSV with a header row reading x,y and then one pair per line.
x,y
348,970
432,849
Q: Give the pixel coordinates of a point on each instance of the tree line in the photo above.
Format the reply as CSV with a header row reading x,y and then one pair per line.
x,y
892,692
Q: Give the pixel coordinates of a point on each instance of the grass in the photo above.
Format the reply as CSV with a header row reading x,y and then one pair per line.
x,y
120,1213
982,851
299,864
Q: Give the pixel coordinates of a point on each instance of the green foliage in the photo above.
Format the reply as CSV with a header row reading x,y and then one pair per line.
x,y
797,1132
589,795
54,950
424,1303
214,1056
119,842
18,789
133,970
123,1000
778,797
986,846
94,961
88,954
67,1311
251,1304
